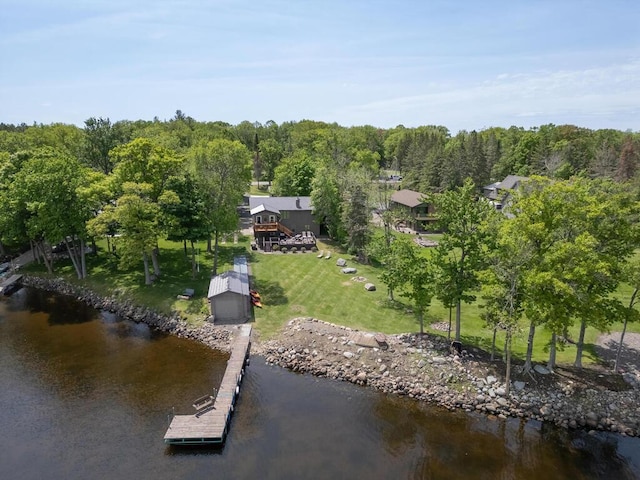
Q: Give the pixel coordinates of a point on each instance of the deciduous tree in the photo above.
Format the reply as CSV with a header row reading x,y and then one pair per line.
x,y
460,254
222,171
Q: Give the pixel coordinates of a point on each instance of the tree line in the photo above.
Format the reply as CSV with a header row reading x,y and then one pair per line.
x,y
430,158
552,260
556,259
133,193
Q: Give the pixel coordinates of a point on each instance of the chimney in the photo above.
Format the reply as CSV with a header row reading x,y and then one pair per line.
x,y
298,203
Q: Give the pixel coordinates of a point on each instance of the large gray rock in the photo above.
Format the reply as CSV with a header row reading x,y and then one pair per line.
x,y
518,386
341,262
370,287
349,270
541,370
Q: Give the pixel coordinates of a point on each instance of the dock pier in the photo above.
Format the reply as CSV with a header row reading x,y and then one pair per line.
x,y
210,424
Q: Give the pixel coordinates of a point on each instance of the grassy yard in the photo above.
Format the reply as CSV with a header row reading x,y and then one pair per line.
x,y
294,285
258,190
106,278
304,285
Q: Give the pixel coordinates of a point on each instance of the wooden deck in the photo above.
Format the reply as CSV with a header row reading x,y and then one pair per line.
x,y
210,425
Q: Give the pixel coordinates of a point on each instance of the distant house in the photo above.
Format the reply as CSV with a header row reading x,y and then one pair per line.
x,y
419,214
499,193
229,296
283,221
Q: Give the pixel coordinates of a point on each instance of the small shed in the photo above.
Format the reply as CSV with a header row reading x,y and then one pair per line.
x,y
229,298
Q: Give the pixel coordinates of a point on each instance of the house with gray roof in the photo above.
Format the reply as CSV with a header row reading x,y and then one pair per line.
x,y
499,193
283,221
419,215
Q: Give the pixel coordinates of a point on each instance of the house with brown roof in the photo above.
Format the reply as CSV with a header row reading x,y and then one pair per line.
x,y
419,215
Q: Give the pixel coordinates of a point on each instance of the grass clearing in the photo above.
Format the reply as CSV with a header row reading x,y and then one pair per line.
x,y
299,284
303,285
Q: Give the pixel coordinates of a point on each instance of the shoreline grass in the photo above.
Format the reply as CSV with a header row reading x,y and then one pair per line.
x,y
299,284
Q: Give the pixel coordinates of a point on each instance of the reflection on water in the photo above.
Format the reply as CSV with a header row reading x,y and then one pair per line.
x,y
85,395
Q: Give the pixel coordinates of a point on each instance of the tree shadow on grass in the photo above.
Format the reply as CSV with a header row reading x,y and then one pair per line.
x,y
271,293
395,305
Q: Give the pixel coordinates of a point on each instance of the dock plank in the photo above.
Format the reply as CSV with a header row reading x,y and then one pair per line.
x,y
211,426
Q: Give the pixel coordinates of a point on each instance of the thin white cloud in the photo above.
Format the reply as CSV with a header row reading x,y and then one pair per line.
x,y
604,91
350,62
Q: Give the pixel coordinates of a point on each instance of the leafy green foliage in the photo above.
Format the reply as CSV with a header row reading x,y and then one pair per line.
x,y
327,201
460,254
294,175
222,171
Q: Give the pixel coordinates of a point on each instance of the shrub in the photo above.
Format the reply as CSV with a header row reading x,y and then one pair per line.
x,y
314,249
303,249
284,249
275,247
294,249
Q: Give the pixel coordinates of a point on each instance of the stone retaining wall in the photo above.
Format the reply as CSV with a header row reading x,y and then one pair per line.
x,y
423,368
413,366
216,337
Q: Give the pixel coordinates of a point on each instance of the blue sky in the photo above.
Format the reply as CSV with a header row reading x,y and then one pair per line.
x,y
463,64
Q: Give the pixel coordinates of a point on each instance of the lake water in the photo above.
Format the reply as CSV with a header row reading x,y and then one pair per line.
x,y
85,395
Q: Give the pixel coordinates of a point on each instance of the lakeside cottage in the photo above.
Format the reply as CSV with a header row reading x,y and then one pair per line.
x,y
283,221
420,215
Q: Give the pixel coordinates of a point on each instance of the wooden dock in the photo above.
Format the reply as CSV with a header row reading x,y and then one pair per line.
x,y
210,423
9,285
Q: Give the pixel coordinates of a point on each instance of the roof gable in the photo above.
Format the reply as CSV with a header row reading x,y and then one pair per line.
x,y
278,204
264,208
409,198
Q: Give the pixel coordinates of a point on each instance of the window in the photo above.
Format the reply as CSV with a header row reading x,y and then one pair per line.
x,y
258,219
272,218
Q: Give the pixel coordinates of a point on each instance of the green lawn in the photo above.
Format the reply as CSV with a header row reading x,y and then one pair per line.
x,y
106,278
303,285
258,190
296,284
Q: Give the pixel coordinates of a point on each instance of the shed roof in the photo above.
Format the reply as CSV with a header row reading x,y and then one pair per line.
x,y
409,198
240,265
277,204
229,281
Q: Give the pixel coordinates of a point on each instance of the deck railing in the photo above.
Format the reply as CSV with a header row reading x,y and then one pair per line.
x,y
272,227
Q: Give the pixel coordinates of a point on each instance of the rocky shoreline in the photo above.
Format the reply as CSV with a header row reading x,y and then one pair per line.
x,y
422,368
216,337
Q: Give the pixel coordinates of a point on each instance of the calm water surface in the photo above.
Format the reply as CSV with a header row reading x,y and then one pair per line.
x,y
84,395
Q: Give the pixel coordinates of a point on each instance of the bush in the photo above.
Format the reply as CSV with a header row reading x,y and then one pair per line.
x,y
303,250
314,249
294,249
284,249
275,247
